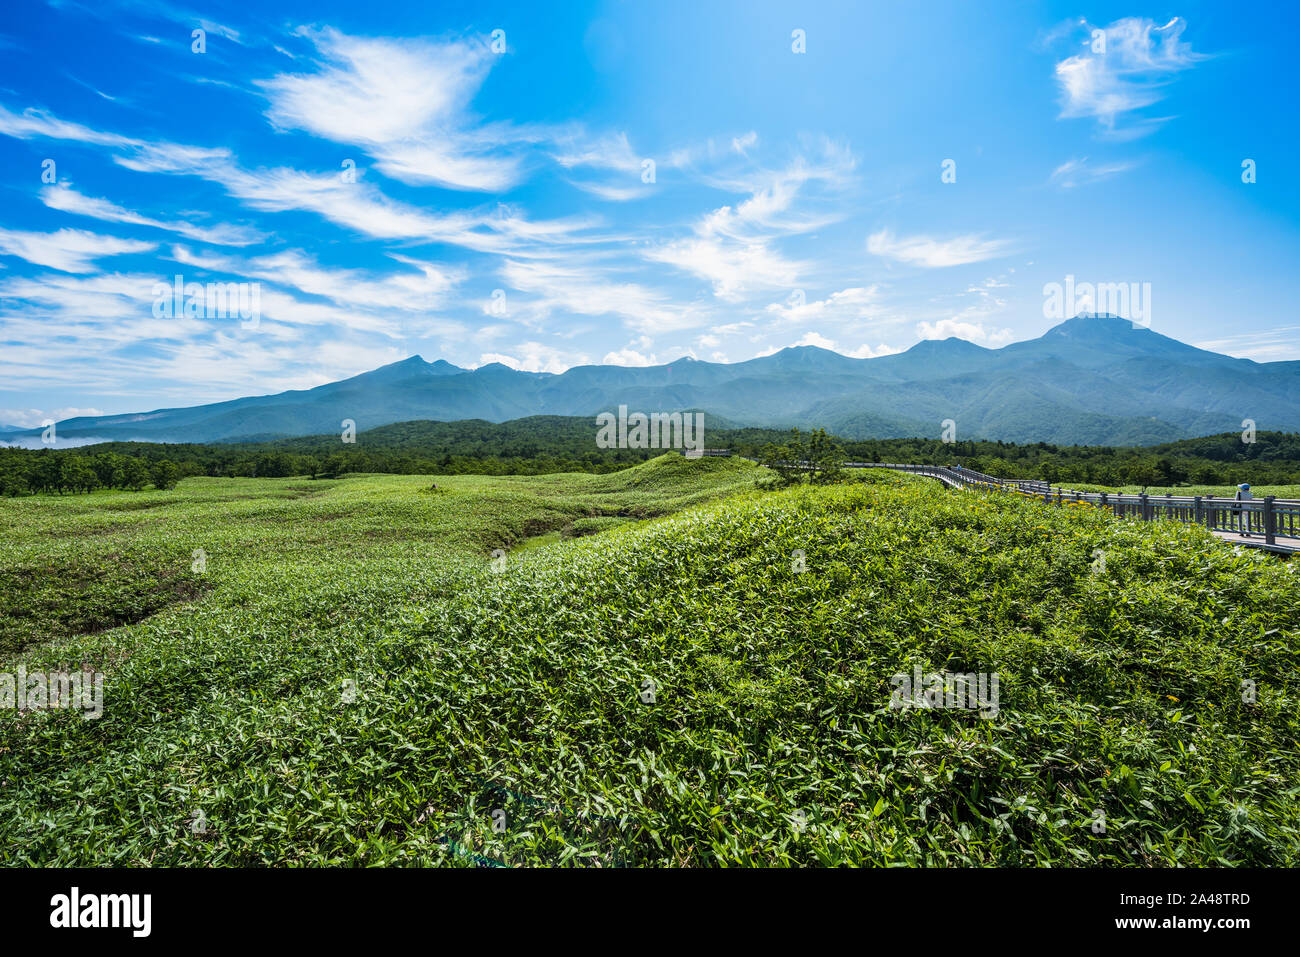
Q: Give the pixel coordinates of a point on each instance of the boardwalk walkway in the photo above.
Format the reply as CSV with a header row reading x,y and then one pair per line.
x,y
1273,523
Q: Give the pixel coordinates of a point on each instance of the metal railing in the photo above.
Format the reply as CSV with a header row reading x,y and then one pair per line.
x,y
1266,519
950,475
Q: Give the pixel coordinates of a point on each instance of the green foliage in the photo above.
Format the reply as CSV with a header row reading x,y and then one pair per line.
x,y
601,523
165,474
64,593
673,692
24,471
542,445
1218,491
817,459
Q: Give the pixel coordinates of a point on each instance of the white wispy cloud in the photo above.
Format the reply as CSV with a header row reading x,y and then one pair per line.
x,y
404,102
98,332
734,247
80,329
1080,171
735,269
107,311
356,205
624,170
933,253
33,123
32,418
421,288
221,30
1139,60
68,200
614,192
69,250
613,152
1271,345
856,302
578,289
364,208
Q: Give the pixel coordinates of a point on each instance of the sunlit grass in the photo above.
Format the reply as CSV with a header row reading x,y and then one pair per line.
x,y
767,738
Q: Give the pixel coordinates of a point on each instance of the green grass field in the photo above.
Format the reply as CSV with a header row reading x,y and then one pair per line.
x,y
676,670
1219,491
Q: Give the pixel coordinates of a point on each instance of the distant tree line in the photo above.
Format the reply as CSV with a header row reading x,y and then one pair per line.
x,y
23,472
135,466
547,444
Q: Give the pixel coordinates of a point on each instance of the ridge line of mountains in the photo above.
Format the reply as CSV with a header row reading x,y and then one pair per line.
x,y
1091,380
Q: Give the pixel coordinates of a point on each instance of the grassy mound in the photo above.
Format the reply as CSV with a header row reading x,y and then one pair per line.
x,y
1122,736
709,688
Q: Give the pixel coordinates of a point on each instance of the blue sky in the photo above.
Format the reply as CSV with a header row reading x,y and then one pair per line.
x,y
501,210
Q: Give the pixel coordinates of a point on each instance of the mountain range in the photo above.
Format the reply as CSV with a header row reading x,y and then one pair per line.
x,y
1090,380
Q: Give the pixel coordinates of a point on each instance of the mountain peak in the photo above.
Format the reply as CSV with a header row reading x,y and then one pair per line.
x,y
806,357
410,367
951,344
1091,323
495,367
409,364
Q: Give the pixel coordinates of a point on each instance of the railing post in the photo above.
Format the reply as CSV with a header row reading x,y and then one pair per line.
x,y
1146,513
1209,512
1270,521
1104,502
1196,511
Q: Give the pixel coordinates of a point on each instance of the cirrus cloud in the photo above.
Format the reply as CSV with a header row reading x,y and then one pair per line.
x,y
932,253
1127,67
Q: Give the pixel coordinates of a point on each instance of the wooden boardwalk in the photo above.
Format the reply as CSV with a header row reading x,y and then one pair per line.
x,y
1274,523
1281,543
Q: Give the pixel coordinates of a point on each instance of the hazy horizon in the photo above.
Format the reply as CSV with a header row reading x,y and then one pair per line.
x,y
80,441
